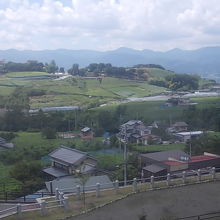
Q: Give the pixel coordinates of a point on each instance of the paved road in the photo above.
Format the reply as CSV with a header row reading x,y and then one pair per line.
x,y
176,202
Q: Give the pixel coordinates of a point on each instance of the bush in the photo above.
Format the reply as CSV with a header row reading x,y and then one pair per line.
x,y
49,133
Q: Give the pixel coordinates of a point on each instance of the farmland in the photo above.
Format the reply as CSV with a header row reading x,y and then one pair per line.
x,y
75,90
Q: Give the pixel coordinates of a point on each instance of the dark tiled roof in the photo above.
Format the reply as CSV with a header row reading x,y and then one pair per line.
x,y
180,123
164,155
132,122
153,168
68,155
55,172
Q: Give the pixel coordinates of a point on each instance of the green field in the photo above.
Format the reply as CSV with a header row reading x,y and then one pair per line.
x,y
148,111
158,73
75,91
24,74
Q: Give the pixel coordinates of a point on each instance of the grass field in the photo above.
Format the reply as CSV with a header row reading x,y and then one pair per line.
x,y
24,74
75,91
149,111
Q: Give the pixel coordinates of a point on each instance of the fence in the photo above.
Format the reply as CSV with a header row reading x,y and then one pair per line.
x,y
211,215
61,198
12,197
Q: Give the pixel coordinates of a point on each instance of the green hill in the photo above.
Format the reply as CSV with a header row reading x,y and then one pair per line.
x,y
74,90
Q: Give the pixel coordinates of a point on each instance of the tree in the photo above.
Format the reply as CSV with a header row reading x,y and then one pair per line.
x,y
182,82
82,180
62,70
51,67
49,133
29,173
207,143
74,70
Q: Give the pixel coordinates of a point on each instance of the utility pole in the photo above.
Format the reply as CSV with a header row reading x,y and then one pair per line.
x,y
125,157
190,145
75,119
120,133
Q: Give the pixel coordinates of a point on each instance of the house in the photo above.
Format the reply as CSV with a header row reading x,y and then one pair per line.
x,y
203,161
163,162
179,126
186,136
133,131
151,139
4,144
174,162
66,161
86,133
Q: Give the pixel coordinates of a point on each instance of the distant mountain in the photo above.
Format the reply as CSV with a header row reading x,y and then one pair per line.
x,y
204,61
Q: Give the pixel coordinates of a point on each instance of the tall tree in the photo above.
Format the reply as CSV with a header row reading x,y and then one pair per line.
x,y
51,67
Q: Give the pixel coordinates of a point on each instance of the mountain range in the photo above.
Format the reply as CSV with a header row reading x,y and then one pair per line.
x,y
203,61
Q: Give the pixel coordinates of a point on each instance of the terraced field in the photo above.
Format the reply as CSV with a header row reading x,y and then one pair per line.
x,y
74,90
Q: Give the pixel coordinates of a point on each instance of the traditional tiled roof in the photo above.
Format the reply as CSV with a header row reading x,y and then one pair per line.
x,y
68,155
153,168
180,124
165,155
55,172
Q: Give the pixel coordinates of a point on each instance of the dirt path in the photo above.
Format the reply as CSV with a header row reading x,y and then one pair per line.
x,y
178,202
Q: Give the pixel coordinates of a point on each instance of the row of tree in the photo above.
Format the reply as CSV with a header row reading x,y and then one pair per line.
x,y
176,82
31,65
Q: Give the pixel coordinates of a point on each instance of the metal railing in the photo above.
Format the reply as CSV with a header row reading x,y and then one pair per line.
x,y
210,215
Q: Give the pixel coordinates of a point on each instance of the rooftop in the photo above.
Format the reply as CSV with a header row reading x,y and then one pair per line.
x,y
55,172
190,133
132,122
153,168
85,129
194,159
173,163
180,124
165,155
68,155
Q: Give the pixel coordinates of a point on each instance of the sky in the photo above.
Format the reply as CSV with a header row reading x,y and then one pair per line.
x,y
109,24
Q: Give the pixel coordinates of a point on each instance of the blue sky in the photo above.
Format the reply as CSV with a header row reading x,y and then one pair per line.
x,y
109,24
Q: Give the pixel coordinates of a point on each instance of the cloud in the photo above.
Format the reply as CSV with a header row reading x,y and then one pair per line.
x,y
108,24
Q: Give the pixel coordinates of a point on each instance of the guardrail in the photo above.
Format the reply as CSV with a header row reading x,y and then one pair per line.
x,y
210,215
61,198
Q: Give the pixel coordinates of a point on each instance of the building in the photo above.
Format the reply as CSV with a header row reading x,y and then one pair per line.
x,y
163,162
133,131
66,161
5,145
174,162
186,136
86,133
179,126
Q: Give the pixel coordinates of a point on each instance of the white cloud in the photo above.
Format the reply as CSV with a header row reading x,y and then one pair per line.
x,y
108,24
